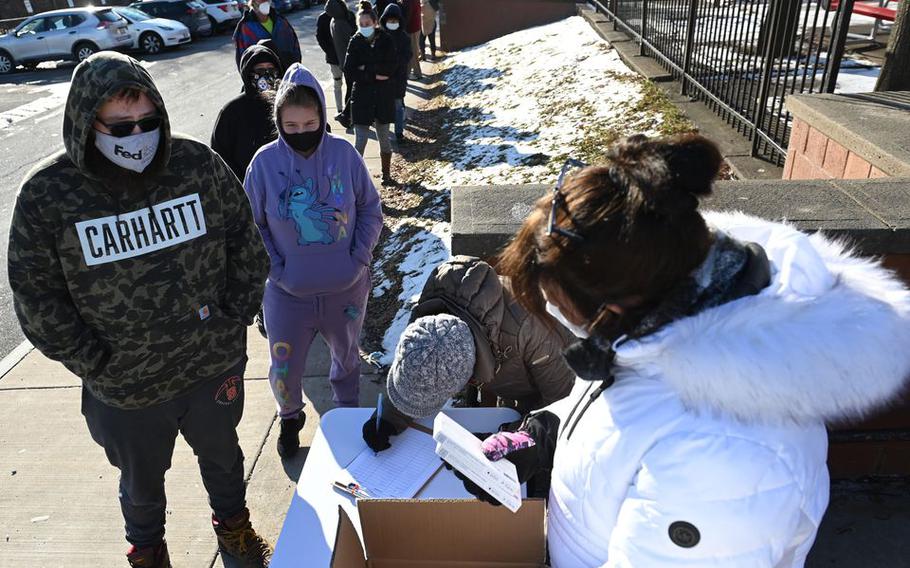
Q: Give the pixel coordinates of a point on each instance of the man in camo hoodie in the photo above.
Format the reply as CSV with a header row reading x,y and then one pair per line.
x,y
135,262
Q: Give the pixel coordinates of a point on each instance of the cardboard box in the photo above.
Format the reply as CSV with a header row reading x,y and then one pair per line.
x,y
431,533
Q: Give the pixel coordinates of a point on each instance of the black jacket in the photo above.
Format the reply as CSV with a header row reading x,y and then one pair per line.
x,y
402,48
371,99
324,38
245,124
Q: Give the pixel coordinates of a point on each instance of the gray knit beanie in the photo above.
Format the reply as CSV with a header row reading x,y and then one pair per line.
x,y
433,361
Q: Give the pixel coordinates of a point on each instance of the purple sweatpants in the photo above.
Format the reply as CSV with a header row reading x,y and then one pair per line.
x,y
292,323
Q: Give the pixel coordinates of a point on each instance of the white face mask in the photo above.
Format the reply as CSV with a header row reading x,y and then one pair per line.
x,y
133,153
367,32
393,27
265,8
577,330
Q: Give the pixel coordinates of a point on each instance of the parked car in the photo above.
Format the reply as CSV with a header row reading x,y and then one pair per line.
x,y
190,13
151,35
282,6
223,14
73,34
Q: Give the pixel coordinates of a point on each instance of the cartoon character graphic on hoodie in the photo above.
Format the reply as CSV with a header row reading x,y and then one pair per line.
x,y
301,203
320,216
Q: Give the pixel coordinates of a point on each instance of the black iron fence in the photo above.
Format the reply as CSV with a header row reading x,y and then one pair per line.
x,y
741,57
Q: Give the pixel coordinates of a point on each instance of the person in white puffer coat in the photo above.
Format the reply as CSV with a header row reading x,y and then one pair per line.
x,y
712,351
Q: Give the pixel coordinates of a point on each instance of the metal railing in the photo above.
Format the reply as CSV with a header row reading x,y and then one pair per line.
x,y
741,57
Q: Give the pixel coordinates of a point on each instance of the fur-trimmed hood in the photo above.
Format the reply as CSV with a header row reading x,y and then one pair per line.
x,y
826,341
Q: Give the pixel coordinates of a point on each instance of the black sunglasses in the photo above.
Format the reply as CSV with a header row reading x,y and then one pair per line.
x,y
559,200
123,129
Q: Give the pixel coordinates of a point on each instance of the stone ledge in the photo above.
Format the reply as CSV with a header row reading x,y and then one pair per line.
x,y
872,214
871,125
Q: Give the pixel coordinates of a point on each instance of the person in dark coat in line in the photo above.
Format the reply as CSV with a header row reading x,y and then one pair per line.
x,y
370,63
261,22
392,22
245,123
342,27
324,39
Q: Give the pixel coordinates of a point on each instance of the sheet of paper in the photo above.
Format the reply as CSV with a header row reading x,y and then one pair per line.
x,y
462,450
398,472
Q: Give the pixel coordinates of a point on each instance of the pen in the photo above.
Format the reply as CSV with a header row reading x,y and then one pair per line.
x,y
351,489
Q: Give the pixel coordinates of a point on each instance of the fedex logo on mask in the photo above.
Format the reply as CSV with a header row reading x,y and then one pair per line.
x,y
120,151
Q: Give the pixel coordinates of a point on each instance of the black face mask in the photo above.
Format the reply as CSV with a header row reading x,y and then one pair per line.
x,y
265,80
304,141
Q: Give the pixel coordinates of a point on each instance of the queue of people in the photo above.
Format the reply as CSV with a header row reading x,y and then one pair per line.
x,y
674,369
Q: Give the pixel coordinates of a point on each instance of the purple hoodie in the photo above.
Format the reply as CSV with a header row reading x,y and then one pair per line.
x,y
321,216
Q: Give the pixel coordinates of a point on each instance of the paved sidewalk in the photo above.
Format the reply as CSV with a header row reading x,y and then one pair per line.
x,y
58,495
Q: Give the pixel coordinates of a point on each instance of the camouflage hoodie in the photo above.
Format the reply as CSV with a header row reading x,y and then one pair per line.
x,y
142,285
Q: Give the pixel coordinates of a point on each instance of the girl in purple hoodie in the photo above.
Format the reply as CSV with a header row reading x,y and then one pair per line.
x,y
320,217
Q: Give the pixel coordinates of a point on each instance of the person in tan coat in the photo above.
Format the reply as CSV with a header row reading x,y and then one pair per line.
x,y
428,8
467,330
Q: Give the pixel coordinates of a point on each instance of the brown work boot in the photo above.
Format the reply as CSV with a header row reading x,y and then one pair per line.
x,y
151,557
237,538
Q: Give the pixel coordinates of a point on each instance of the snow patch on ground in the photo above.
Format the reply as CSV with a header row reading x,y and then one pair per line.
x,y
518,101
515,108
427,249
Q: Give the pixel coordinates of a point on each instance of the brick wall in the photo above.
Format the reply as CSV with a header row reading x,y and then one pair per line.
x,y
812,155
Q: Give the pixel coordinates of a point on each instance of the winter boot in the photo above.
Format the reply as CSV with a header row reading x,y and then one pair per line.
x,y
238,539
289,439
343,119
386,158
151,557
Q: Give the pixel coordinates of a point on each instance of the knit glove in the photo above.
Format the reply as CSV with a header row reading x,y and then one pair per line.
x,y
391,423
529,444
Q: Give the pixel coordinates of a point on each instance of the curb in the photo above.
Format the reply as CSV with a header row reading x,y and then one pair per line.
x,y
15,357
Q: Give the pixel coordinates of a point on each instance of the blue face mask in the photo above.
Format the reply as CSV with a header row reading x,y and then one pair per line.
x,y
367,32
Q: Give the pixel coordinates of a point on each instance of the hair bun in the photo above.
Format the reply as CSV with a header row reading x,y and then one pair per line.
x,y
665,175
694,162
366,6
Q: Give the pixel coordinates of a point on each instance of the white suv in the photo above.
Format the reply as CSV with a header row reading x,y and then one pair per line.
x,y
63,34
224,14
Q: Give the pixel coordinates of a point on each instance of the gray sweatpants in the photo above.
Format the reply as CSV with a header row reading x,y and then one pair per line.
x,y
337,76
362,134
140,443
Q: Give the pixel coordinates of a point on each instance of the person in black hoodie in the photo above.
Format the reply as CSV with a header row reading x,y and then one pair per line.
x,y
245,123
325,41
370,63
392,22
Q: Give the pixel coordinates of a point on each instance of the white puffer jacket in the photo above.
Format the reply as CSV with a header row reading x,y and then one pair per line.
x,y
710,448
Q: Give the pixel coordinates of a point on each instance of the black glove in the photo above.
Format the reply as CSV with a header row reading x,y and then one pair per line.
x,y
531,463
472,487
391,423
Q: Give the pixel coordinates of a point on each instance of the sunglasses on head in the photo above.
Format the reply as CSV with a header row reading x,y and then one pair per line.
x,y
559,200
123,129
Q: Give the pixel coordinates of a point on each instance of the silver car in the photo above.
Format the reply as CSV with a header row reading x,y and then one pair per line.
x,y
63,34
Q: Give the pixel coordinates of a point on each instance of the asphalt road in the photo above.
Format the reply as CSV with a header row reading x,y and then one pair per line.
x,y
196,81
